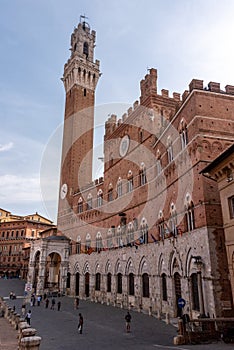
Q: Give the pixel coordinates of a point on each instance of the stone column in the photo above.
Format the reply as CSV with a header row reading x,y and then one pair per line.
x,y
200,292
30,343
41,277
63,276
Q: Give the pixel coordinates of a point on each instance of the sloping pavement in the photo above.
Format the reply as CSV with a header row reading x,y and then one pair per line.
x,y
104,326
8,336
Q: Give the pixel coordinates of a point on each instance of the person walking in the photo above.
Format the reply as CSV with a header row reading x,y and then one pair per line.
x,y
23,309
28,317
59,305
128,318
76,303
52,304
38,300
80,324
47,303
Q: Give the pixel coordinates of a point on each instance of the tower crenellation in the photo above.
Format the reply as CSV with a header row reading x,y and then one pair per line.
x,y
81,69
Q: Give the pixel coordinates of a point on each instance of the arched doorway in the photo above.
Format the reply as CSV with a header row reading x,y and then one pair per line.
x,y
177,283
87,284
77,283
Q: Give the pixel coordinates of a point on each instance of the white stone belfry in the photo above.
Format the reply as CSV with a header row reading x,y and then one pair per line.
x,y
80,69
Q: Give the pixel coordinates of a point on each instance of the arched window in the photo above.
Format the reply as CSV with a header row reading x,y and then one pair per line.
x,y
158,163
131,284
98,281
145,285
99,198
78,245
110,193
130,182
87,242
195,294
109,282
99,244
119,237
130,234
173,220
169,150
86,49
183,134
119,187
110,238
142,174
143,232
190,223
164,287
89,202
80,205
119,283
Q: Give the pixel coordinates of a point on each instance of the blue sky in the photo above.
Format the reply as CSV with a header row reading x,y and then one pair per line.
x,y
183,39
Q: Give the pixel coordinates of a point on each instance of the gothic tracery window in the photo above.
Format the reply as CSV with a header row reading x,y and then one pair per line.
x,y
119,187
89,202
142,174
80,205
170,155
183,134
99,198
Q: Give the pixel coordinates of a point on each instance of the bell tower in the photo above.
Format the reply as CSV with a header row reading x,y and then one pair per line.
x,y
81,74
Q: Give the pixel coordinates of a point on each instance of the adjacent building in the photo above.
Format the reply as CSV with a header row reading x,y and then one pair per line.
x,y
16,233
150,231
221,170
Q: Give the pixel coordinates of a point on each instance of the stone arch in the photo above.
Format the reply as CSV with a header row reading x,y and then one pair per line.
x,y
97,267
118,267
86,268
76,268
143,266
37,251
130,268
108,267
174,263
162,266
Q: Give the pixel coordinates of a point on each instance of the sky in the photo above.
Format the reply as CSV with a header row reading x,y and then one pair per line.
x,y
182,39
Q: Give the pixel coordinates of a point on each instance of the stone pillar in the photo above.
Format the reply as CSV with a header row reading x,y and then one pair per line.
x,y
73,284
41,277
63,276
200,292
30,343
22,326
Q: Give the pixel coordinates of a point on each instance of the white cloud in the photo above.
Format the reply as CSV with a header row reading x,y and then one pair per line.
x,y
6,147
19,188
